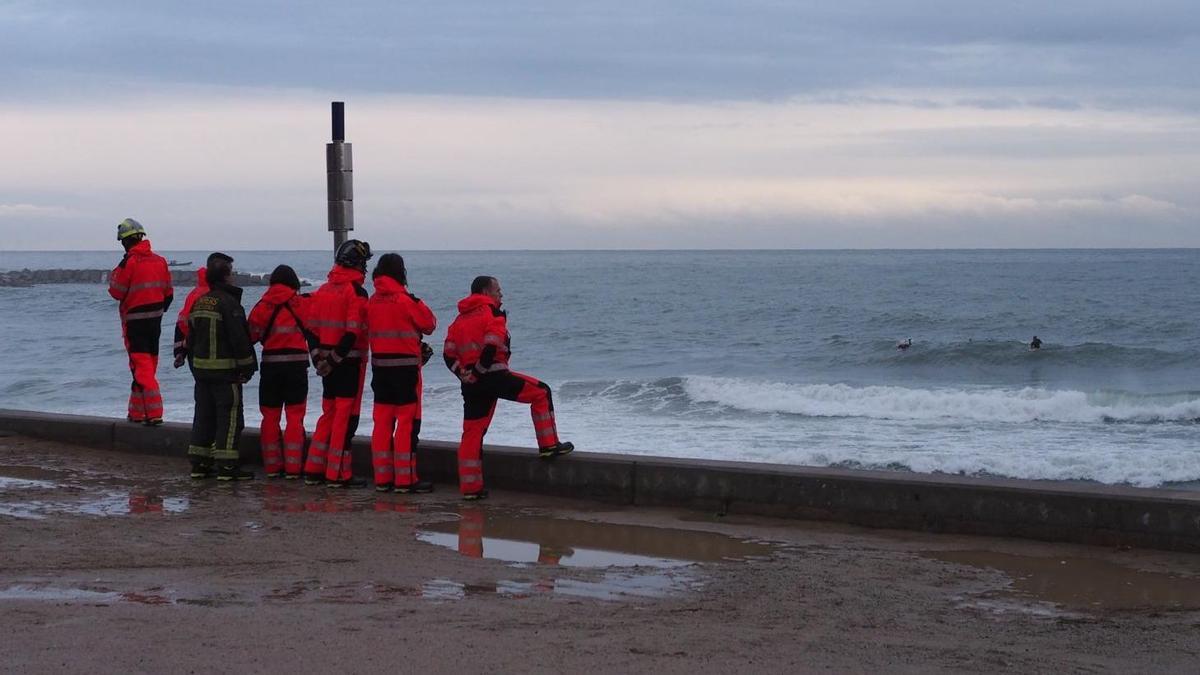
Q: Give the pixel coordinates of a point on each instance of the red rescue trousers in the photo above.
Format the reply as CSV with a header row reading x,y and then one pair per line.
x,y
479,404
393,443
397,417
341,401
283,447
145,399
470,532
283,391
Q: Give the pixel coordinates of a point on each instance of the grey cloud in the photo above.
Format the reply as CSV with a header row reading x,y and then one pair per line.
x,y
670,49
1031,142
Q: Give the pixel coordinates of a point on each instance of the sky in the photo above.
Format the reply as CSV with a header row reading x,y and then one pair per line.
x,y
564,124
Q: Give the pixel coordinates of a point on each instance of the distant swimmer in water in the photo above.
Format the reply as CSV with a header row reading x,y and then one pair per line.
x,y
905,345
1035,344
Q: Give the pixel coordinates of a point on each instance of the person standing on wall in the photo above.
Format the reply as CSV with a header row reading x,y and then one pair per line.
x,y
181,322
141,283
477,351
339,315
396,320
278,322
222,359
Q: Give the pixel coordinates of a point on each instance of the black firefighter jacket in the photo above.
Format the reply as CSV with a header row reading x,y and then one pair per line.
x,y
218,340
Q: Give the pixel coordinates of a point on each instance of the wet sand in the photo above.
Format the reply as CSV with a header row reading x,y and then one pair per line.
x,y
120,563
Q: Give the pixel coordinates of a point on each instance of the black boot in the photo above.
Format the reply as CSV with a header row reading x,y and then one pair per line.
x,y
352,482
153,421
202,468
314,479
476,496
556,450
419,487
233,472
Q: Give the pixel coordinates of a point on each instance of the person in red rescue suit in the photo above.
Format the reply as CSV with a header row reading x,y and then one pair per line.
x,y
181,322
396,320
141,283
338,317
279,322
477,351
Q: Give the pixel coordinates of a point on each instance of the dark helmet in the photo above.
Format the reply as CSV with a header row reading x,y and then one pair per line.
x,y
391,265
284,274
218,268
354,254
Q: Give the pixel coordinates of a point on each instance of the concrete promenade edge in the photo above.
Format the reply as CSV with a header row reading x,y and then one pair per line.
x,y
1044,510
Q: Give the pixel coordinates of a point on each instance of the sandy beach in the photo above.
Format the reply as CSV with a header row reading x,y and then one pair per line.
x,y
119,563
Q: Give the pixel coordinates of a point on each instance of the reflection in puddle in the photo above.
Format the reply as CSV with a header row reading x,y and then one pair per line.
x,y
518,538
111,503
639,561
1082,583
34,498
508,550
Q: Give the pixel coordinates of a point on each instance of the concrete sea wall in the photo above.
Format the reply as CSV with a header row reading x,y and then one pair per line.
x,y
1043,510
181,277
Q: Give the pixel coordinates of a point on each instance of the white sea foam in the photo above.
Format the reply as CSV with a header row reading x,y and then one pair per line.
x,y
975,405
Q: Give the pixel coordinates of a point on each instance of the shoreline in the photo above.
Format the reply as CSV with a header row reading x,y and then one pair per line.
x,y
1041,510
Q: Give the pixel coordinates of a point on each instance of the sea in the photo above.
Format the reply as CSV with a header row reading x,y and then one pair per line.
x,y
786,357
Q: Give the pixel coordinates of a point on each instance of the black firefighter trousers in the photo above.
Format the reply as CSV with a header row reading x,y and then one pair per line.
x,y
218,421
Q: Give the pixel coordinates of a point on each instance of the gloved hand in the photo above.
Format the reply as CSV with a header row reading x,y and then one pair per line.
x,y
426,353
324,367
179,360
467,376
245,376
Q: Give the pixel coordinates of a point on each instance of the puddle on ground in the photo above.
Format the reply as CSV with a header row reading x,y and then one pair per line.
x,y
24,496
110,503
47,594
10,483
639,561
29,472
520,538
1082,583
42,593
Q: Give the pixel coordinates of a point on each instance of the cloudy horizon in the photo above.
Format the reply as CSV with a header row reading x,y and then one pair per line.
x,y
581,125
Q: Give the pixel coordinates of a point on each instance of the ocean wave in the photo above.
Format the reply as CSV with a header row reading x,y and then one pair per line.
x,y
1014,353
977,405
701,395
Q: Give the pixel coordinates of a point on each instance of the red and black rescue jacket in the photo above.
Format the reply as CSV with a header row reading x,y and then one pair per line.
x,y
339,314
478,339
181,322
280,322
142,284
396,320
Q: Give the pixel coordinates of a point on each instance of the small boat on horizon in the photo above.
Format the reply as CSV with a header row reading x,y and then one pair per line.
x,y
176,263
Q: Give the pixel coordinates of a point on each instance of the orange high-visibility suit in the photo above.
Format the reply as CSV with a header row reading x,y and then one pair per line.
x,y
478,345
279,322
396,320
339,315
142,285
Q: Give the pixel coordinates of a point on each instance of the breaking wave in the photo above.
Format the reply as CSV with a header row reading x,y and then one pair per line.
x,y
707,395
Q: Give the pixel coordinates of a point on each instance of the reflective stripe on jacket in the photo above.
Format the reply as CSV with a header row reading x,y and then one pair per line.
x,y
338,312
218,340
480,324
396,320
285,337
141,283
